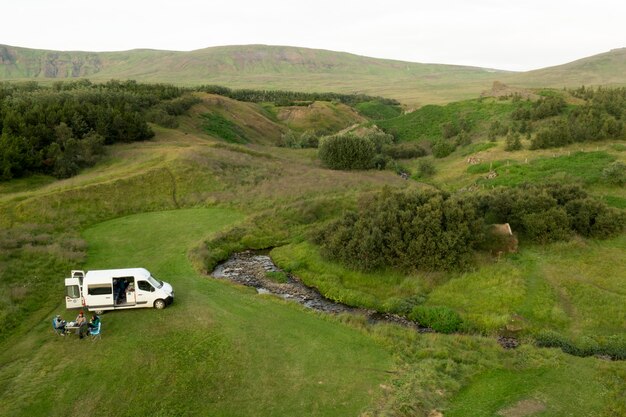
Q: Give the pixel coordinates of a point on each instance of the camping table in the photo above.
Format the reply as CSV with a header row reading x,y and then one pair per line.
x,y
71,329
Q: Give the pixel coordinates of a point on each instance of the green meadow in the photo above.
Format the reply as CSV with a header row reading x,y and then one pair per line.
x,y
218,350
182,202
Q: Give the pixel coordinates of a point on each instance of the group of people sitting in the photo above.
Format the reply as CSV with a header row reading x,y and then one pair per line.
x,y
83,327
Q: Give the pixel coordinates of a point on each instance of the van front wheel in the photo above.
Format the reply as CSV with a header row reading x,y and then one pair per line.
x,y
159,304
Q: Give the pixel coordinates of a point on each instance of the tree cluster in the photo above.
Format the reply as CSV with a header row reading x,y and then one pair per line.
x,y
540,109
601,117
548,213
406,230
431,230
290,98
60,129
351,151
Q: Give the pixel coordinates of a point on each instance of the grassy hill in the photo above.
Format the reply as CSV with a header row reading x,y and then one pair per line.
x,y
188,197
302,69
603,69
257,66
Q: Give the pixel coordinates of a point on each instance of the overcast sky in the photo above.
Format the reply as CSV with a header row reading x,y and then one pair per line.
x,y
513,35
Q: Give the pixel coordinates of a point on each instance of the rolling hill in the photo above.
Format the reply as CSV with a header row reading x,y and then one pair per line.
x,y
257,66
302,69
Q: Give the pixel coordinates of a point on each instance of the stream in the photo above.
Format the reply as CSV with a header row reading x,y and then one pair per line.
x,y
250,268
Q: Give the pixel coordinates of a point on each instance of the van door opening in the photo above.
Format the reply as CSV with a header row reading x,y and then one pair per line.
x,y
124,291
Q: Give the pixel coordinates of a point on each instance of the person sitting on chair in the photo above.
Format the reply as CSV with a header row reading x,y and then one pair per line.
x,y
59,324
81,323
93,323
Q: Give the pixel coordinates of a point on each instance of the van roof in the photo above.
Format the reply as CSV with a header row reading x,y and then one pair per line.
x,y
113,273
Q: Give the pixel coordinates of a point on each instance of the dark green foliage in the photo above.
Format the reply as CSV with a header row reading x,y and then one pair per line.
x,y
593,218
380,139
615,173
290,98
497,128
546,225
513,142
406,230
405,150
347,152
426,168
449,129
307,139
602,117
443,148
612,346
540,109
440,319
60,129
547,213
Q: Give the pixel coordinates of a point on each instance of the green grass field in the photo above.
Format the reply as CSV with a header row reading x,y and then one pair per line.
x,y
218,350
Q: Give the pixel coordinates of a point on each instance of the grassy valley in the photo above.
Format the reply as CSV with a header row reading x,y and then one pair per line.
x,y
230,175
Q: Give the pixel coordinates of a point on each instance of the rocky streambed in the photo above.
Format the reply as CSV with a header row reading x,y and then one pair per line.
x,y
251,269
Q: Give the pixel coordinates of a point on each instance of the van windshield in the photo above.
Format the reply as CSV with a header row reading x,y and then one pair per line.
x,y
155,282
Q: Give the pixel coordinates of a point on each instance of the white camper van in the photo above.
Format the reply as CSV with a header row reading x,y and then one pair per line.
x,y
116,289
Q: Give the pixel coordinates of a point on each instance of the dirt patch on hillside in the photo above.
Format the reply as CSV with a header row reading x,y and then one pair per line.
x,y
316,115
499,89
523,408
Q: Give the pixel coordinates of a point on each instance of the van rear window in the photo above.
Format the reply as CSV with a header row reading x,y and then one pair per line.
x,y
99,289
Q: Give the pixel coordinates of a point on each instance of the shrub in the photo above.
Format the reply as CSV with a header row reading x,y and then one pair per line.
x,y
405,150
426,168
407,230
441,319
612,346
593,218
346,152
443,148
547,226
512,142
615,173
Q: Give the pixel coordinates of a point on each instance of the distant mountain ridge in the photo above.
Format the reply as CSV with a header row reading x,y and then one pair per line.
x,y
301,69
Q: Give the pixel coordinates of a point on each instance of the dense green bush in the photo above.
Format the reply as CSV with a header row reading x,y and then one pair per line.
x,y
601,117
289,98
426,168
540,109
307,139
443,148
547,213
615,173
347,152
512,142
441,319
612,346
407,230
405,150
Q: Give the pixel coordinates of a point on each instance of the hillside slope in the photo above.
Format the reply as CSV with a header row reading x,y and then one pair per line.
x,y
608,68
257,66
303,69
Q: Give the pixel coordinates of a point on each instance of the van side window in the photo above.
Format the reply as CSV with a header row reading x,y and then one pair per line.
x,y
145,286
99,289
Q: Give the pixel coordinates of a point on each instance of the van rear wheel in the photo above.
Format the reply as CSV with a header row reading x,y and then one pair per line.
x,y
159,304
99,312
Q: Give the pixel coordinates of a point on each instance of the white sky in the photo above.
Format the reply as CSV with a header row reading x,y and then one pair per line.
x,y
513,35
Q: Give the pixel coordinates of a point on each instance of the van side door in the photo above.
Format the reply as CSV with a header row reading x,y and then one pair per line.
x,y
73,294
